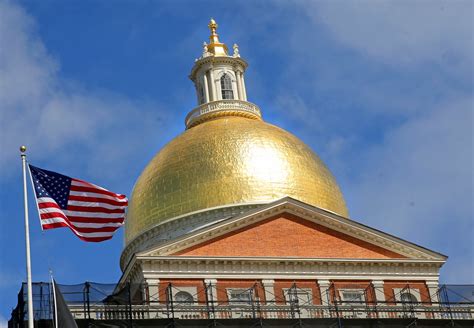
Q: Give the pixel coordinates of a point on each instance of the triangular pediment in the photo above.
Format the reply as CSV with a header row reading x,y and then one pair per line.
x,y
287,235
288,228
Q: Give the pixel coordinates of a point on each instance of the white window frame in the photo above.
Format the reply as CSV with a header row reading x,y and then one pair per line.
x,y
352,290
414,291
306,291
233,78
248,291
191,290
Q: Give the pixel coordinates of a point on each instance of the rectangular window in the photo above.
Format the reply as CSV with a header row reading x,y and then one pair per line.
x,y
352,296
297,295
240,296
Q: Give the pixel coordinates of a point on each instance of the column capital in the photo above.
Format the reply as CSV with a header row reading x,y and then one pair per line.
x,y
268,282
152,280
431,283
377,282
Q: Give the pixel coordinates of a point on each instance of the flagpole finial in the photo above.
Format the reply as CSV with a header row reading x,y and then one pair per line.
x,y
23,149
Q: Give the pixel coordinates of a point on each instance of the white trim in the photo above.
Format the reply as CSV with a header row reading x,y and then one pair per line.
x,y
298,290
191,290
239,268
359,291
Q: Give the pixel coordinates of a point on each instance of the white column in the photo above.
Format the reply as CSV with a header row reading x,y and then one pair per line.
x,y
211,288
206,88
244,91
213,85
268,285
324,289
379,291
212,291
433,288
239,85
153,290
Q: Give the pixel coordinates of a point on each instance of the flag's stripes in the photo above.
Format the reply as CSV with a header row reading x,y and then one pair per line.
x,y
92,213
93,195
93,209
94,220
77,185
80,200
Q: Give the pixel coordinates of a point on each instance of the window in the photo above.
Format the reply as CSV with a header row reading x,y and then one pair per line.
x,y
240,296
300,296
184,298
408,298
353,296
226,87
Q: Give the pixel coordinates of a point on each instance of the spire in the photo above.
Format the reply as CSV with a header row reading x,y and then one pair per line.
x,y
215,47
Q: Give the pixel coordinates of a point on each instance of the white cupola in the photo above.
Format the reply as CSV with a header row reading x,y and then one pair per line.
x,y
219,81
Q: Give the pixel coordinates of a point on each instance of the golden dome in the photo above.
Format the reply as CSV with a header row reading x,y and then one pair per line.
x,y
225,161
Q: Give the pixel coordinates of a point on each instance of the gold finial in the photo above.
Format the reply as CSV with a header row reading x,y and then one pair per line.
x,y
213,27
22,149
215,46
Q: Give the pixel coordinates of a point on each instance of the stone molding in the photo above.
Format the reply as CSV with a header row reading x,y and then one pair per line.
x,y
209,62
284,268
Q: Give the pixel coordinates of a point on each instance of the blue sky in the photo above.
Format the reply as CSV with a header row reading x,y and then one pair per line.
x,y
381,90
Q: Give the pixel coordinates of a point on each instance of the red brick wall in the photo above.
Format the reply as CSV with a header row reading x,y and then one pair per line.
x,y
223,284
337,285
280,285
198,283
288,235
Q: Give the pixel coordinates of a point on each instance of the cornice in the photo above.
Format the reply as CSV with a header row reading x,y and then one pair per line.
x,y
282,268
211,60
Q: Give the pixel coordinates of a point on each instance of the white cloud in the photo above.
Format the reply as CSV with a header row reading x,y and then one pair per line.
x,y
412,174
405,32
57,117
418,184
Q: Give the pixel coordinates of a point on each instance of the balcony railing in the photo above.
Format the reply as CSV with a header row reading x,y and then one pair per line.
x,y
254,311
238,107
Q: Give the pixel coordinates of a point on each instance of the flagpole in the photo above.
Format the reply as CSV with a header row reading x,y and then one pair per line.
x,y
54,300
27,238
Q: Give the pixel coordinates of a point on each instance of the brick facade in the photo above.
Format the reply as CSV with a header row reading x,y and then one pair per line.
x,y
288,235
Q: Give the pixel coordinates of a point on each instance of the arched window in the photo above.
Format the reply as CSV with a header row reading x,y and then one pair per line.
x,y
184,298
408,298
226,87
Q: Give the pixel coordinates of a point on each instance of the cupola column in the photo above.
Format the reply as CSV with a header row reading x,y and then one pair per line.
x,y
206,88
238,75
244,91
213,86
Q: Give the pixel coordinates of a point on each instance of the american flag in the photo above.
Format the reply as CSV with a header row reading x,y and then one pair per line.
x,y
91,212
